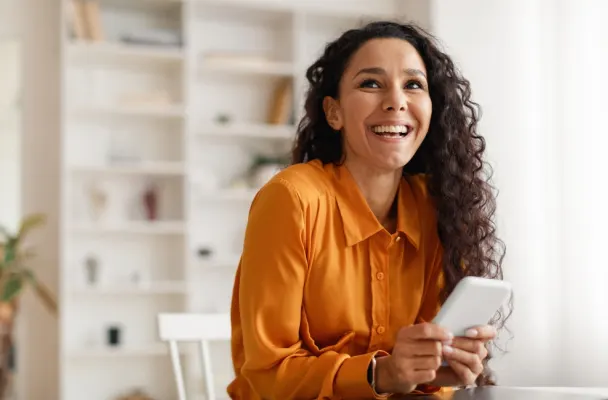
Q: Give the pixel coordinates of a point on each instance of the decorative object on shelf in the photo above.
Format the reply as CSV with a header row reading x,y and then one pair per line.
x,y
98,200
137,394
120,153
92,270
223,119
114,335
14,276
135,277
264,168
84,17
150,201
153,37
204,252
206,180
280,110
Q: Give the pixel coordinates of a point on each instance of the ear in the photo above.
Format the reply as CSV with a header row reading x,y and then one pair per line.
x,y
333,113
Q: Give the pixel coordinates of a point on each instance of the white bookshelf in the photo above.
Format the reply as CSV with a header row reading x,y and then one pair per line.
x,y
187,120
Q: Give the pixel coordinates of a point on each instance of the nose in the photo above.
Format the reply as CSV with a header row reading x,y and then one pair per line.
x,y
395,100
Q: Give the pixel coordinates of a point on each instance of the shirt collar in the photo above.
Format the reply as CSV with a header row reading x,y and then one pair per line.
x,y
358,219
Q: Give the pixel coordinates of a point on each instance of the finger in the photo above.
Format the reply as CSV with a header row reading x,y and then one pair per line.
x,y
471,346
465,375
428,331
484,332
424,348
425,363
471,360
422,376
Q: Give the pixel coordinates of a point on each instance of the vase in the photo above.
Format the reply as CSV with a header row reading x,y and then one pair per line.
x,y
7,316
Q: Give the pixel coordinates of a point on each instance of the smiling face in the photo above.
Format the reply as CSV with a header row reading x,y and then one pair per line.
x,y
383,107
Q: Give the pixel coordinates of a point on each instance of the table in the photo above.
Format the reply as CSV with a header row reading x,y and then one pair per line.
x,y
507,393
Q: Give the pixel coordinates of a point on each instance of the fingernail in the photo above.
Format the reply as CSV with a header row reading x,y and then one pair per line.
x,y
448,349
450,336
471,333
447,342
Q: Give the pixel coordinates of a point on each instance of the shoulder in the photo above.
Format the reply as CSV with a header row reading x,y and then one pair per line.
x,y
298,184
305,182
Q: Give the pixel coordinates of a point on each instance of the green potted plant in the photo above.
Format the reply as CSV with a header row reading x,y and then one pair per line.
x,y
15,276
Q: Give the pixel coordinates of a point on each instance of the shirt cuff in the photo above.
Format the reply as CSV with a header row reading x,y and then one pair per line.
x,y
351,380
427,389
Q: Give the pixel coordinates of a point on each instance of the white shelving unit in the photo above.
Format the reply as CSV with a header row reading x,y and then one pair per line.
x,y
185,121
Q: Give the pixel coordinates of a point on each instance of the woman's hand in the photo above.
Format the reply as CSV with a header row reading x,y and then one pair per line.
x,y
415,359
466,354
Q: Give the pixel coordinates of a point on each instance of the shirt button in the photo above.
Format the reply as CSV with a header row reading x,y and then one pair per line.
x,y
380,330
380,276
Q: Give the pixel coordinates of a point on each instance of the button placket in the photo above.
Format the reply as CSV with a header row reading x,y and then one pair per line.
x,y
379,258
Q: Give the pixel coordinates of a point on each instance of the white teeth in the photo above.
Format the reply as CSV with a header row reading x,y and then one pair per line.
x,y
390,129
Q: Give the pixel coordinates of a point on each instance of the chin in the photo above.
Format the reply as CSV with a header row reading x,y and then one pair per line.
x,y
392,165
395,161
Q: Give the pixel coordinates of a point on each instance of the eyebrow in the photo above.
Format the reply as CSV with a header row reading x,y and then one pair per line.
x,y
381,71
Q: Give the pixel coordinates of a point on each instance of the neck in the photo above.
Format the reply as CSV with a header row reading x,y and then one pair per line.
x,y
379,189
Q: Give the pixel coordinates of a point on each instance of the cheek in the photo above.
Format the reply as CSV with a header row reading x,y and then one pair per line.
x,y
422,109
359,106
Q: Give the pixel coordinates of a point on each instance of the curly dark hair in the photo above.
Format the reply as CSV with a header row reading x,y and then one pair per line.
x,y
451,154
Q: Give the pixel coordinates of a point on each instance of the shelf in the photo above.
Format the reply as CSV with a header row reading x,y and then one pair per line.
x,y
169,111
132,168
144,3
148,351
315,8
140,228
253,67
255,131
123,52
228,262
143,288
222,195
135,114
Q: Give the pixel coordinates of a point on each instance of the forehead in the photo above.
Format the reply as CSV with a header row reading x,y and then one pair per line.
x,y
390,54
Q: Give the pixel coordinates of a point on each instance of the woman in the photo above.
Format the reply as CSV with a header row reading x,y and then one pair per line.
x,y
350,251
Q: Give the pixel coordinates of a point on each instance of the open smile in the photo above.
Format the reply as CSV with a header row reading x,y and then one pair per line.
x,y
392,131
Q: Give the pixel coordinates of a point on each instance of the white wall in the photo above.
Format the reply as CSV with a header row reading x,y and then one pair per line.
x,y
583,66
538,70
502,48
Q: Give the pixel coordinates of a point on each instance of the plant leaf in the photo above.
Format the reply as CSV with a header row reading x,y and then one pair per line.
x,y
29,275
10,251
45,295
12,288
30,222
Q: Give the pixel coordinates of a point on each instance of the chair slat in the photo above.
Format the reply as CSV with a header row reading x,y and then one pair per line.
x,y
201,328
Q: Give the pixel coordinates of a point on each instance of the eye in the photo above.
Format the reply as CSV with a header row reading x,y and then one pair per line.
x,y
369,83
414,84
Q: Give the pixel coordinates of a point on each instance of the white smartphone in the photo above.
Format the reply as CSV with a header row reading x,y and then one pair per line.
x,y
473,302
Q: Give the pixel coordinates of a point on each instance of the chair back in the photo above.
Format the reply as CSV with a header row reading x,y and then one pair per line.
x,y
201,328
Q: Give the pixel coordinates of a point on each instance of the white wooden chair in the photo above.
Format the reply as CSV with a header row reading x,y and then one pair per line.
x,y
201,328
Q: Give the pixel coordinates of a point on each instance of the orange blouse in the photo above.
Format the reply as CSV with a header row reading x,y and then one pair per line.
x,y
322,287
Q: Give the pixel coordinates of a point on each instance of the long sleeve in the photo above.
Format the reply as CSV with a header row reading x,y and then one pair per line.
x,y
273,271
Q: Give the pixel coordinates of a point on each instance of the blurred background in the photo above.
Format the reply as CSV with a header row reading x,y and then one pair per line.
x,y
142,129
